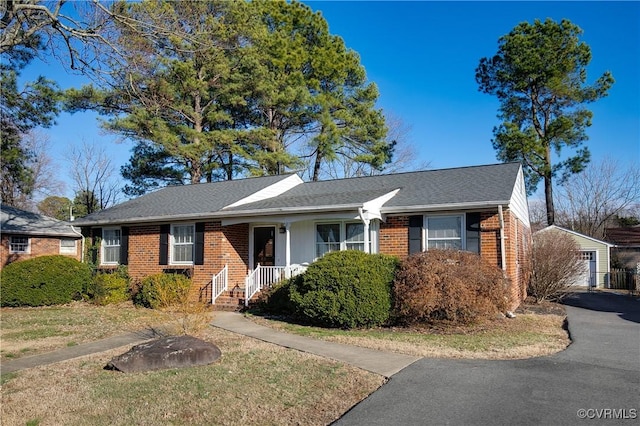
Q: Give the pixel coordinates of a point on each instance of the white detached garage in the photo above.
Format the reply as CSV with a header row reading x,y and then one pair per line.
x,y
596,257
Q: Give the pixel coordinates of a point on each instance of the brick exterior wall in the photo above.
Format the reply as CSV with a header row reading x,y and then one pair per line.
x,y
222,245
39,246
229,245
394,236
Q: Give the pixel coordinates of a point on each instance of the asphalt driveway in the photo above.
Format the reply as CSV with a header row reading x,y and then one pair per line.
x,y
595,381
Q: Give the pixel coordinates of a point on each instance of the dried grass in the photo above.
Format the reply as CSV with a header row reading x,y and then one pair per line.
x,y
28,331
253,383
526,336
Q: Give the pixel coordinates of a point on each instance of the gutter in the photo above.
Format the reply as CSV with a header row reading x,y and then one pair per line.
x,y
222,215
440,207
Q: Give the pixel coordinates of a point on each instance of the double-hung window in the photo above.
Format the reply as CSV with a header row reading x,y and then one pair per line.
x,y
444,232
182,244
328,238
19,244
111,239
339,236
355,236
67,246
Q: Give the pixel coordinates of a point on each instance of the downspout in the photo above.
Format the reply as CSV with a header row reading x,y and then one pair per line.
x,y
503,254
81,243
366,230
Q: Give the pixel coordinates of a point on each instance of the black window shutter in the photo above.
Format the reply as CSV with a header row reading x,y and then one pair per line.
x,y
96,242
164,244
473,232
124,245
415,234
199,246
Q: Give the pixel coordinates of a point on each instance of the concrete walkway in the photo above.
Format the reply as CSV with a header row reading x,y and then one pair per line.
x,y
383,363
76,351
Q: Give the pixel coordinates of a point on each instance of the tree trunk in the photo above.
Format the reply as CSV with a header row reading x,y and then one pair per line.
x,y
548,191
316,167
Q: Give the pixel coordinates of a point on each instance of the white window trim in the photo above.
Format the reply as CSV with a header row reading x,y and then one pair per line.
x,y
172,244
343,235
68,250
27,250
463,229
103,246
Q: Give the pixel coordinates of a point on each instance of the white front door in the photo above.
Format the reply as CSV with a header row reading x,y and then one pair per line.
x,y
588,275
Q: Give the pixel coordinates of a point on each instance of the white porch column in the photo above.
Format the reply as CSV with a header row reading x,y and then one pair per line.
x,y
365,221
287,245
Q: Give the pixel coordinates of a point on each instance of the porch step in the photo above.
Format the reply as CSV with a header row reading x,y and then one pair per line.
x,y
232,301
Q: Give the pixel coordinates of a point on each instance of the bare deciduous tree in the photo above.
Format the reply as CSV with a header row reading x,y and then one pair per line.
x,y
45,171
537,214
94,177
555,265
590,201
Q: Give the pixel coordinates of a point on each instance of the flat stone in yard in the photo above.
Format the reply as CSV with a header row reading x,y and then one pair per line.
x,y
168,352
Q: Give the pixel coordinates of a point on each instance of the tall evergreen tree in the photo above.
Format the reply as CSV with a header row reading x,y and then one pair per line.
x,y
539,75
228,88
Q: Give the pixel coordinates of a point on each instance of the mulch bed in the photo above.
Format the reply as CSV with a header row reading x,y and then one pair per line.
x,y
529,306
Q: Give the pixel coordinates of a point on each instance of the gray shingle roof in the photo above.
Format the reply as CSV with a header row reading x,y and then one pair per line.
x,y
474,185
432,189
181,201
17,221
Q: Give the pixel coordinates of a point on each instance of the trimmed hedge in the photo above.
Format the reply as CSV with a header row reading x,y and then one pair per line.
x,y
42,281
344,289
162,290
448,286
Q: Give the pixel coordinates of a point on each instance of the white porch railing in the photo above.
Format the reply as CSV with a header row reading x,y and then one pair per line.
x,y
219,283
266,276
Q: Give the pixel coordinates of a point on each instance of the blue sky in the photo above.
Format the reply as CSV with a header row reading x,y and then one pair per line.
x,y
423,55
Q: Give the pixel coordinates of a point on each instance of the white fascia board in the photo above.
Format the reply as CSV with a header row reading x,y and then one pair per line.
x,y
577,234
271,191
442,207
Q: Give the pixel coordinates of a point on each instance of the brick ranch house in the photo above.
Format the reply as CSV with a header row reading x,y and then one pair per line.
x,y
26,235
238,236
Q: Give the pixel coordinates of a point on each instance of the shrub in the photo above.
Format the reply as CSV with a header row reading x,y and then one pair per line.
x,y
277,299
45,280
109,287
555,265
447,286
162,290
345,289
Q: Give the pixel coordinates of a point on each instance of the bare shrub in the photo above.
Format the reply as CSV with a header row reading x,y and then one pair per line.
x,y
555,265
448,286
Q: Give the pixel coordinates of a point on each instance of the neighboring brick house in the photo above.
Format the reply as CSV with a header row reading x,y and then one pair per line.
x,y
284,223
26,235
